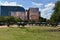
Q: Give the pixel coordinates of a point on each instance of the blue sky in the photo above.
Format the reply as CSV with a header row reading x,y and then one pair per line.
x,y
45,6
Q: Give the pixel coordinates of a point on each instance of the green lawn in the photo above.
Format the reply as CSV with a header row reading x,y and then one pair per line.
x,y
34,33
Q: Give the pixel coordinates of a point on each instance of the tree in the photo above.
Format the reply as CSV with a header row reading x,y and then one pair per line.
x,y
2,19
18,20
9,20
41,19
55,17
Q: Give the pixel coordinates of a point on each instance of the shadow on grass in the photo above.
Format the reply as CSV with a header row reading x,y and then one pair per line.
x,y
37,30
45,30
53,30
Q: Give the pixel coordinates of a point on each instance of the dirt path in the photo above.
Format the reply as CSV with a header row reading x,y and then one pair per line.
x,y
3,26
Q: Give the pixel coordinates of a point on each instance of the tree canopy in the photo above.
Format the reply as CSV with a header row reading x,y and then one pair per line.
x,y
55,17
9,19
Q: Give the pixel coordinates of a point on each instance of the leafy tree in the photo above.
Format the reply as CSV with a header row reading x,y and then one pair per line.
x,y
18,20
2,19
56,14
9,19
41,19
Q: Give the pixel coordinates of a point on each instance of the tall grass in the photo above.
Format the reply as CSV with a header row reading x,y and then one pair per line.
x,y
28,33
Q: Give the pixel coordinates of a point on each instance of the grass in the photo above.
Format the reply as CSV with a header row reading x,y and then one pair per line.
x,y
29,33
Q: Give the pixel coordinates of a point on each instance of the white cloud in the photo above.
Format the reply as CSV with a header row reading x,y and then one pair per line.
x,y
6,3
47,11
48,15
50,5
37,4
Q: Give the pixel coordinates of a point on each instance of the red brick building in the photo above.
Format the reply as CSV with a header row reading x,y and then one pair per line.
x,y
18,15
31,15
34,14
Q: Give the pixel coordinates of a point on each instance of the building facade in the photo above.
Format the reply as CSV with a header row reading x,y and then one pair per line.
x,y
18,14
15,11
27,15
34,14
